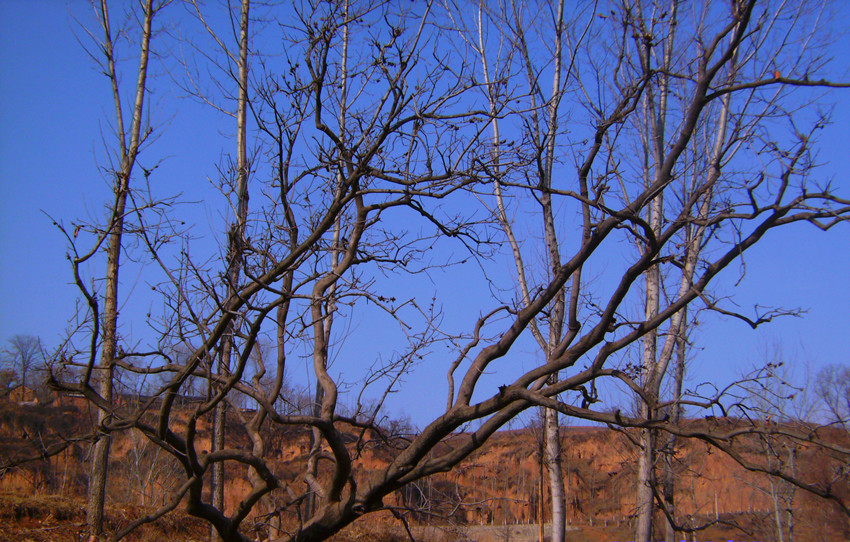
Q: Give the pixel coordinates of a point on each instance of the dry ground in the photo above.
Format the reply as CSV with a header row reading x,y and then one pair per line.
x,y
56,519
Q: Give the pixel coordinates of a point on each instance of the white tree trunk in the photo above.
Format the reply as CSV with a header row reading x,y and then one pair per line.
x,y
669,475
643,531
556,476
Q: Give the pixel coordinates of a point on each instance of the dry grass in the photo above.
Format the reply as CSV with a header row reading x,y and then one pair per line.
x,y
50,518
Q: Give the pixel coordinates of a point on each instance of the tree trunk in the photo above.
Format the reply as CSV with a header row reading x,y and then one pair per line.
x,y
792,490
236,240
646,459
652,381
556,476
643,531
777,511
100,457
217,478
109,318
311,501
541,493
675,414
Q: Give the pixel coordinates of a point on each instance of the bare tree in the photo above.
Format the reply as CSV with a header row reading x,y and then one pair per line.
x,y
777,398
725,128
23,355
389,148
668,460
130,135
701,167
508,21
235,65
832,385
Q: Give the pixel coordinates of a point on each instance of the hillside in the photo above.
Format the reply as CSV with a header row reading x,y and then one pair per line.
x,y
493,495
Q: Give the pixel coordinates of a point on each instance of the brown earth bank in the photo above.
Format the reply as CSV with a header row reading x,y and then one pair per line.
x,y
493,496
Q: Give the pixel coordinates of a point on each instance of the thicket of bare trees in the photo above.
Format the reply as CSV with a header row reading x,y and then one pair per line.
x,y
23,362
617,156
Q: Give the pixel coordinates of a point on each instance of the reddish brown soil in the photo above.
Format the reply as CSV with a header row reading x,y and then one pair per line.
x,y
492,497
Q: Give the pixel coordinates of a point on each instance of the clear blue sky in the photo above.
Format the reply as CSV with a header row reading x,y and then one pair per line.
x,y
49,110
52,108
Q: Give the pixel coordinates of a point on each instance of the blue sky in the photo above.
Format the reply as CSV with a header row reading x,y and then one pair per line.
x,y
48,114
52,109
55,108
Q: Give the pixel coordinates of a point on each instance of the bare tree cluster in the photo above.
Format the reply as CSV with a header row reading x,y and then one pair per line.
x,y
618,155
23,363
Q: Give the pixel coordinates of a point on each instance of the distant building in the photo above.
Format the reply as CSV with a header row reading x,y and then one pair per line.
x,y
22,395
71,399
